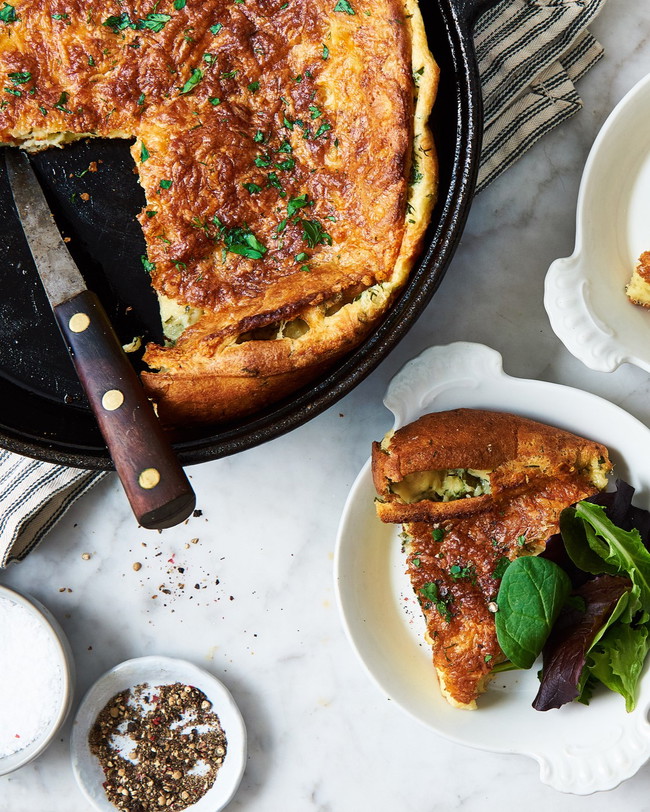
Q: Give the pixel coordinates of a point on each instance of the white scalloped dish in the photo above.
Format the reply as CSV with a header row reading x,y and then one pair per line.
x,y
585,293
580,749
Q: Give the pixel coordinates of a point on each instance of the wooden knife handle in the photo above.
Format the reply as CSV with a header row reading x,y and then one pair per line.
x,y
155,483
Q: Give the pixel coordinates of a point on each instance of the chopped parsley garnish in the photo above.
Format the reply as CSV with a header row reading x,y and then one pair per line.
x,y
286,165
144,153
20,77
296,203
229,74
214,29
140,101
301,257
457,572
13,91
43,110
285,146
438,533
209,58
432,597
117,24
179,4
252,188
324,127
521,540
262,161
59,16
166,184
274,181
326,52
258,137
192,82
8,14
315,112
286,122
147,264
240,240
153,22
344,6
416,562
60,105
214,101
313,233
254,87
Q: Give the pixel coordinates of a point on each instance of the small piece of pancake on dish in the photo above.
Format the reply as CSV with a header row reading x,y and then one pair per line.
x,y
475,490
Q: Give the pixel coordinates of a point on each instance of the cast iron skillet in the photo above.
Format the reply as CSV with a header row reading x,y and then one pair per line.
x,y
43,413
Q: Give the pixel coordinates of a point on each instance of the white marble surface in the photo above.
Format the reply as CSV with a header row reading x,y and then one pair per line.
x,y
262,616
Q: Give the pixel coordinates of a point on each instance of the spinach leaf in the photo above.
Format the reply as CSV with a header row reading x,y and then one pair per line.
x,y
530,597
574,536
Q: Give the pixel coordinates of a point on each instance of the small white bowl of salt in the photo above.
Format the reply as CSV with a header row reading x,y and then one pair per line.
x,y
36,679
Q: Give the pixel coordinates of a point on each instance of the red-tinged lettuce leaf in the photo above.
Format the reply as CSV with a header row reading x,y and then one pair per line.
x,y
573,634
617,660
620,510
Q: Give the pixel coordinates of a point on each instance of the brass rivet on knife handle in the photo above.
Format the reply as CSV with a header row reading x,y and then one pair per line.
x,y
79,322
112,400
149,478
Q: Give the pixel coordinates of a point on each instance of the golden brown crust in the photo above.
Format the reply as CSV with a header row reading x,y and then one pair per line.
x,y
516,451
274,142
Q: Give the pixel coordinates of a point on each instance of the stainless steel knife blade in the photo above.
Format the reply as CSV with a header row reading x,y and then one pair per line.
x,y
56,268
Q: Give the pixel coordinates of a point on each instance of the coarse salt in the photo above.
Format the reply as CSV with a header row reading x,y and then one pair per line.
x,y
31,677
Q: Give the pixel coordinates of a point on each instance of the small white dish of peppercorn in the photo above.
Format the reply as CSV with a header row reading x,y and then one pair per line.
x,y
157,733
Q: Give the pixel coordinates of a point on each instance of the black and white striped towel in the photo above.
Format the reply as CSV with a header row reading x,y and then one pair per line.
x,y
530,52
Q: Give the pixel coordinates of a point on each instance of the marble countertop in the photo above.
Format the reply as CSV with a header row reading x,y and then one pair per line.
x,y
258,607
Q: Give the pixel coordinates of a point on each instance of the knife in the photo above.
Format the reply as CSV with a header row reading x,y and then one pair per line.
x,y
155,483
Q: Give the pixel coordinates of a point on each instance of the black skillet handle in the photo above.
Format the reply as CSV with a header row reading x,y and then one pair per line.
x,y
155,483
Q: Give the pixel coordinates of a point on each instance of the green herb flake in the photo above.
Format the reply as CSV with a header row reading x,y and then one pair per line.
x,y
324,127
8,13
209,58
252,188
315,112
192,82
43,110
438,533
326,52
180,4
144,153
214,29
286,165
296,203
147,264
166,184
151,213
20,77
229,74
253,87
141,99
416,562
240,240
301,257
59,16
118,23
12,91
214,101
344,7
262,161
60,105
432,597
154,22
285,146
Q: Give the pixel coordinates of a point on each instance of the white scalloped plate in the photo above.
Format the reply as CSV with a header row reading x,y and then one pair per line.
x,y
585,293
579,749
